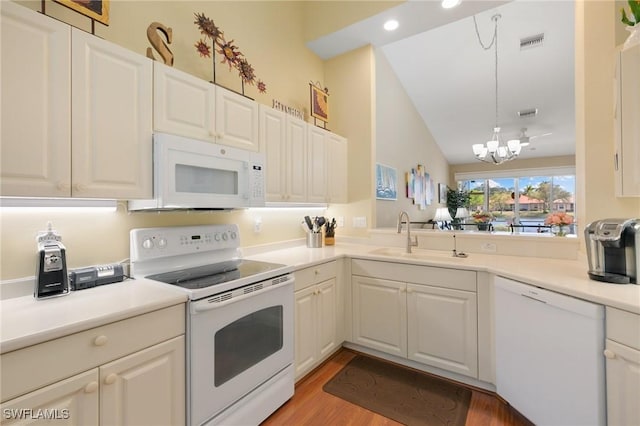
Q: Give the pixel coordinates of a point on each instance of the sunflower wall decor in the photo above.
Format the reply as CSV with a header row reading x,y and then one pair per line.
x,y
229,52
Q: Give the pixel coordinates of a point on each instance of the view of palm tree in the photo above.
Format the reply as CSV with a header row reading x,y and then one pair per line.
x,y
521,204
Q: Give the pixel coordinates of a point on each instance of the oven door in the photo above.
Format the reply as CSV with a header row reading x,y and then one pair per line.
x,y
237,344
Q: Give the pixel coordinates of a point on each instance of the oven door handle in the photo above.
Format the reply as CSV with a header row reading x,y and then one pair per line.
x,y
204,305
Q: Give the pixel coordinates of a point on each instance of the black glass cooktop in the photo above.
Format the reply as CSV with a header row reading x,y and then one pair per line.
x,y
214,274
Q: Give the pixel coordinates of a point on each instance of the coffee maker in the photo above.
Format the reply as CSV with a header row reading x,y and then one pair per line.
x,y
613,249
51,273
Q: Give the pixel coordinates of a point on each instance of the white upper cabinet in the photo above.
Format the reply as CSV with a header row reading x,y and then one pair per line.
x,y
317,165
283,139
236,120
183,104
627,124
86,136
337,177
111,120
296,160
273,142
36,104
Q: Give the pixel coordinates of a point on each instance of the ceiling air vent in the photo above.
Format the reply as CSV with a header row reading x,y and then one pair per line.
x,y
532,41
527,113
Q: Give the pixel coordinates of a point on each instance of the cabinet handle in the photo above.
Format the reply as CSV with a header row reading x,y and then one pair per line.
x,y
100,340
91,387
609,354
79,187
317,272
110,379
615,162
61,186
409,290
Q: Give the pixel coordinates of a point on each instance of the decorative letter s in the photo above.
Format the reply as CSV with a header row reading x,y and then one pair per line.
x,y
159,44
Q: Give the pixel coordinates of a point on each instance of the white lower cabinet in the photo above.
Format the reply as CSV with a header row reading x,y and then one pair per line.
x,y
131,372
73,401
442,328
316,316
622,352
380,314
422,313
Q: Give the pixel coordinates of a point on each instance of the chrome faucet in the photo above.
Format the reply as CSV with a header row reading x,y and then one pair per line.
x,y
409,242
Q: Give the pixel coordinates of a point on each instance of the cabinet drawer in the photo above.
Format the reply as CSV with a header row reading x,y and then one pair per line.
x,y
623,327
315,274
429,275
39,365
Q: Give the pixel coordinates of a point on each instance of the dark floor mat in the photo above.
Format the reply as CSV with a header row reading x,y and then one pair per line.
x,y
402,394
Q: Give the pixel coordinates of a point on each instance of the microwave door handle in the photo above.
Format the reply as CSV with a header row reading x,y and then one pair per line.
x,y
204,306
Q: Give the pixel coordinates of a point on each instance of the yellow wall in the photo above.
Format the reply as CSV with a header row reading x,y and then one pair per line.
x,y
595,65
271,34
351,79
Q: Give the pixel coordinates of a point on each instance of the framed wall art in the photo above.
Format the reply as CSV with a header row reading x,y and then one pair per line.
x,y
386,182
442,193
95,9
319,103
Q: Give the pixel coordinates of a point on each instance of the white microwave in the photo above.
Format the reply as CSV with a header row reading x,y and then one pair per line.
x,y
194,174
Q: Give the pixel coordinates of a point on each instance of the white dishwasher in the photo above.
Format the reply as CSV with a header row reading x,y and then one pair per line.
x,y
549,362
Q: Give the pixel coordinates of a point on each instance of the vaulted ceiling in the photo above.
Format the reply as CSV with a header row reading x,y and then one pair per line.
x,y
451,79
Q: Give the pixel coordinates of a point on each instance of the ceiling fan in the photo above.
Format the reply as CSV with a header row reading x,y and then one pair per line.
x,y
525,139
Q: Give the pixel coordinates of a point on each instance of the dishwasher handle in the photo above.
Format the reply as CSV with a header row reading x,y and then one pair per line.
x,y
533,298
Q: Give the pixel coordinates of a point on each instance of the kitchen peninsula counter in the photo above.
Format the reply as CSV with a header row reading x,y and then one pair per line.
x,y
563,276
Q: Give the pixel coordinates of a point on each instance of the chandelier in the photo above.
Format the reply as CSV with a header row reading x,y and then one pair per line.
x,y
495,151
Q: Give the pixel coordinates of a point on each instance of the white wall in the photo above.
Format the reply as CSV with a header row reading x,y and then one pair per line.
x,y
402,142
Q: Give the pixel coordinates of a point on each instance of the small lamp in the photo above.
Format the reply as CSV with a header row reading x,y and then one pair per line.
x,y
461,214
442,215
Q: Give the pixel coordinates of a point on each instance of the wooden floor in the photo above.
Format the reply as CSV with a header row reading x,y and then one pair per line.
x,y
312,406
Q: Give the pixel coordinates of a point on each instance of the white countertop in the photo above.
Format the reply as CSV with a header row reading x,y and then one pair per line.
x,y
563,276
25,321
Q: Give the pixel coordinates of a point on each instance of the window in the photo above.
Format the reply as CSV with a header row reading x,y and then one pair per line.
x,y
519,201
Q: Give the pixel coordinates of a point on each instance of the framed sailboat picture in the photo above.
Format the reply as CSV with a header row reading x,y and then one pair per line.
x,y
94,9
386,182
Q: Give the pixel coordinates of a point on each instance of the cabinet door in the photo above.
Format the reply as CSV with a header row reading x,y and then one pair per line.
x,y
337,189
73,401
442,328
623,384
111,120
145,388
317,165
305,329
296,160
183,104
326,299
236,120
380,314
628,136
35,150
273,143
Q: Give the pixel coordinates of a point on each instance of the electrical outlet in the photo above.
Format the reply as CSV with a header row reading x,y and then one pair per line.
x,y
257,225
340,221
360,222
488,247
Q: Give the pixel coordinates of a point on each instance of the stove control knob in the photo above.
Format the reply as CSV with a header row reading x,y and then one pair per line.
x,y
216,237
225,237
147,243
233,235
162,243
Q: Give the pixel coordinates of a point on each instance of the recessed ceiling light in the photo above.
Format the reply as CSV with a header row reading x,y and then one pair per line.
x,y
448,4
391,25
